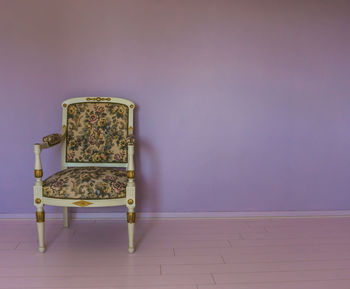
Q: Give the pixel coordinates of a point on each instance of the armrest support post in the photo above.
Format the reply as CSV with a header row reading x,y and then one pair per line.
x,y
48,141
130,188
38,171
131,168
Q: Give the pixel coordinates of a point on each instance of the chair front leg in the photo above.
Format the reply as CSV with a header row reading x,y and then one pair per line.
x,y
40,223
130,204
131,227
130,195
131,215
38,198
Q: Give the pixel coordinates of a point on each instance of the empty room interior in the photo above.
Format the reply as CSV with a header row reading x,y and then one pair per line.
x,y
175,144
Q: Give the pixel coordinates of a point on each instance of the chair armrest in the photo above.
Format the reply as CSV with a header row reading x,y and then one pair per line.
x,y
48,141
53,139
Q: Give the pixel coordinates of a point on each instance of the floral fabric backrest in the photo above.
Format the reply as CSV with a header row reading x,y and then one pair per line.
x,y
97,132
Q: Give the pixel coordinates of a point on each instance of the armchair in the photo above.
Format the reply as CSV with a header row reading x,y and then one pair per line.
x,y
97,161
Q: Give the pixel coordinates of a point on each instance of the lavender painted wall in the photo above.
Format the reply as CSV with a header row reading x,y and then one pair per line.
x,y
242,105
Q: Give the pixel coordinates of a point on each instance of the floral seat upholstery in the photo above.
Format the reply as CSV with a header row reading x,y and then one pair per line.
x,y
87,183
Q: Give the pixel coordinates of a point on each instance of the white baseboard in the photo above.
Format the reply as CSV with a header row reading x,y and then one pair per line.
x,y
191,215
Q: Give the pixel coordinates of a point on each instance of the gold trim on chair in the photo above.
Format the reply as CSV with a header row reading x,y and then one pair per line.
x,y
131,174
131,216
82,203
40,217
98,98
38,173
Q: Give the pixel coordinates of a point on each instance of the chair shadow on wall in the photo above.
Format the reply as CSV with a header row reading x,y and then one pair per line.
x,y
147,186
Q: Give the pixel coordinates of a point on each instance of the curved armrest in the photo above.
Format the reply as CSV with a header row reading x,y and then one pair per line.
x,y
48,141
53,139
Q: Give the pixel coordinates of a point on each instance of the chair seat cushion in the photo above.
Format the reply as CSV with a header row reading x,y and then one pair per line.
x,y
86,183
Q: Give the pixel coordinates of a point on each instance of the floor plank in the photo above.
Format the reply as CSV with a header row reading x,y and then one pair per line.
x,y
255,267
332,284
95,281
262,277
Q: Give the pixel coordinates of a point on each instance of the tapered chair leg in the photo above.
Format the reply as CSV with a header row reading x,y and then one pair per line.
x,y
65,217
40,222
131,226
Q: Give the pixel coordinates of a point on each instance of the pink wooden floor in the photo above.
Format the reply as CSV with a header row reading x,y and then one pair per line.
x,y
179,254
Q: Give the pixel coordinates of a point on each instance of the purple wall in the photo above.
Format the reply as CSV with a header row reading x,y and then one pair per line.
x,y
242,105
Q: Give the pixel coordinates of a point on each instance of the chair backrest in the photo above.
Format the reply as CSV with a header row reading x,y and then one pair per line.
x,y
97,128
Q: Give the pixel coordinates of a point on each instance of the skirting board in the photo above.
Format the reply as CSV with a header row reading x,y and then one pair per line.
x,y
191,215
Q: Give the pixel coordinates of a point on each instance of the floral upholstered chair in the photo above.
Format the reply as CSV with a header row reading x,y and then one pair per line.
x,y
97,161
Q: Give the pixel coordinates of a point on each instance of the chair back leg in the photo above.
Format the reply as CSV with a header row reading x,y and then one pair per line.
x,y
65,213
